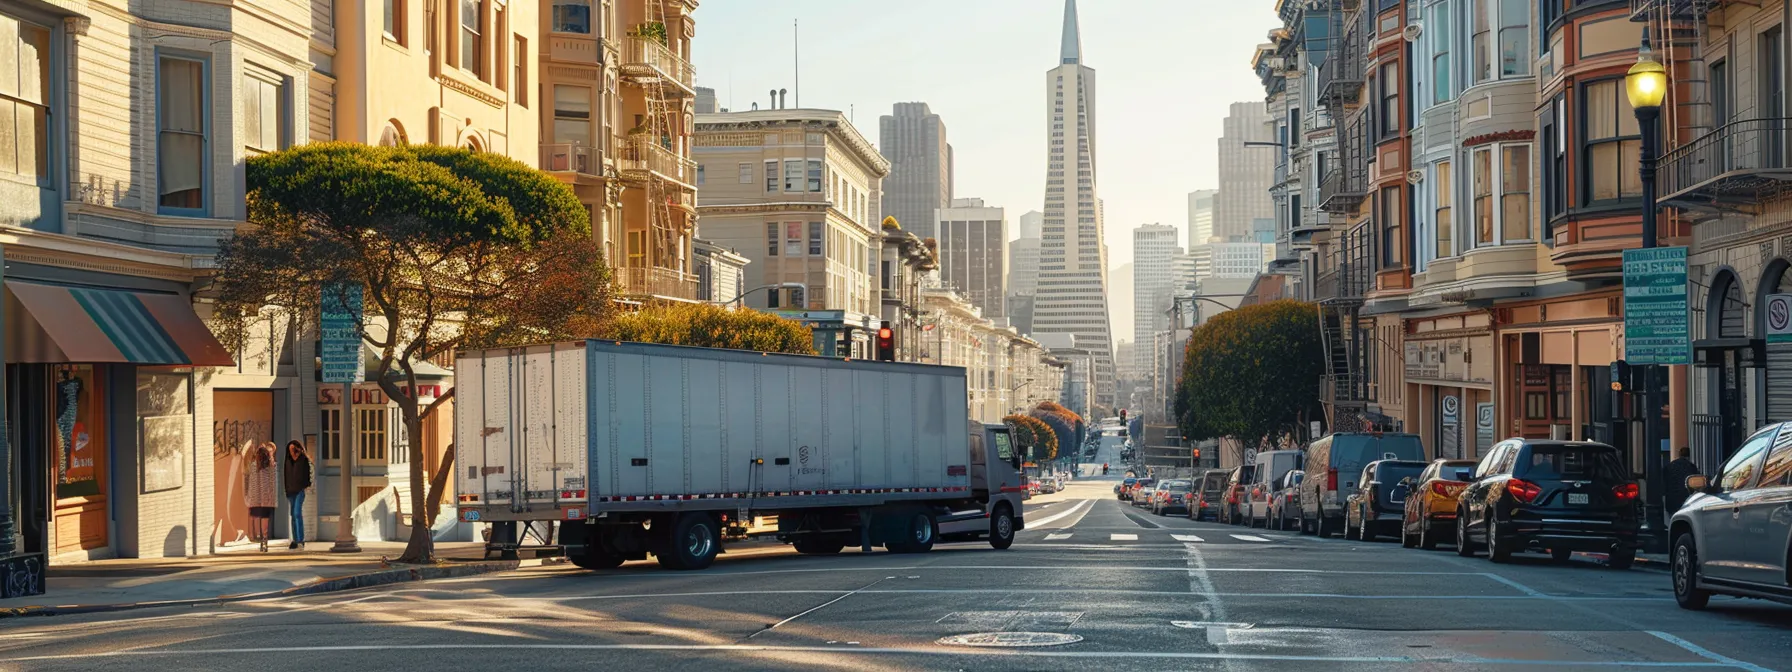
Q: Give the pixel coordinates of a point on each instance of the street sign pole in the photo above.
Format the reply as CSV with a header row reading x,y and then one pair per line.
x,y
340,334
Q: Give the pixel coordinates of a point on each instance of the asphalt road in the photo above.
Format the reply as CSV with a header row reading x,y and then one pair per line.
x,y
1136,592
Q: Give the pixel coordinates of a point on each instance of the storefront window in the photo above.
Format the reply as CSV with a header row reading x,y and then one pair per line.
x,y
164,410
79,436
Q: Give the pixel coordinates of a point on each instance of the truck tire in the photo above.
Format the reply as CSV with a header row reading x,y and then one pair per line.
x,y
817,545
918,534
1001,527
693,544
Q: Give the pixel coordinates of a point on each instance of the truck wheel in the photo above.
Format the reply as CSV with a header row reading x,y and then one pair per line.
x,y
1001,528
917,535
816,545
693,545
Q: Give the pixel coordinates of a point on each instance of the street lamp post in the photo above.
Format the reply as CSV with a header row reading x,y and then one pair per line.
x,y
1646,85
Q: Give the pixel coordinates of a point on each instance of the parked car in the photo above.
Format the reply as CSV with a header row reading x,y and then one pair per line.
x,y
1173,495
1211,495
1048,485
1141,491
1333,465
1284,503
1557,495
1124,489
1380,499
1430,514
1732,535
1231,511
1271,466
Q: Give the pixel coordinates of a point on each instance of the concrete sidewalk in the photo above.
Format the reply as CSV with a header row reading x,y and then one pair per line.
x,y
113,585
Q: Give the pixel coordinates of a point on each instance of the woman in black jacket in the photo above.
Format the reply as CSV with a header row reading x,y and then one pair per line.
x,y
297,481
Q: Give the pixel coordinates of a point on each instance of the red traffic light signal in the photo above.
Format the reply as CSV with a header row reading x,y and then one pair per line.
x,y
886,343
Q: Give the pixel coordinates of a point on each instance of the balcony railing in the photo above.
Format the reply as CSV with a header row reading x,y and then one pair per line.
x,y
1341,75
640,156
1346,184
571,158
1679,9
1734,165
645,57
659,282
1346,270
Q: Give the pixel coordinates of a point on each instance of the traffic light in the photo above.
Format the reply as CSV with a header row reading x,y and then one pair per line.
x,y
1122,416
886,343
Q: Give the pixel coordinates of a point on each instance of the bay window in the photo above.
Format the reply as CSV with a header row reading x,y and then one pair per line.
x,y
1480,42
1440,53
1390,100
1482,179
1612,146
25,102
264,114
181,134
1515,193
1393,244
1443,219
1515,37
572,16
572,115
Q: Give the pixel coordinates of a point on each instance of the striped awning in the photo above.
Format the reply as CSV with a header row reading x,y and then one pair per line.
x,y
50,324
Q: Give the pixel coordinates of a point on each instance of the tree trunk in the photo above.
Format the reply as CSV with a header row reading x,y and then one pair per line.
x,y
438,484
420,549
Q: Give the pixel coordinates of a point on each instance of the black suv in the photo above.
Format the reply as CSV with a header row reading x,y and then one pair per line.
x,y
1380,499
1557,495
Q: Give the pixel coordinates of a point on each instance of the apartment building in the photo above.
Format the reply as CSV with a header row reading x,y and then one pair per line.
x,y
905,264
616,106
801,204
1154,253
973,243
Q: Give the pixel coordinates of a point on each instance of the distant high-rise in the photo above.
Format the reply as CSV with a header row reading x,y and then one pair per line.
x,y
1023,255
1240,260
973,253
706,100
1246,174
1072,260
1200,217
1154,253
914,140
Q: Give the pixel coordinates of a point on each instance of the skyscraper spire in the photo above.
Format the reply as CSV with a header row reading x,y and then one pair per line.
x,y
1073,40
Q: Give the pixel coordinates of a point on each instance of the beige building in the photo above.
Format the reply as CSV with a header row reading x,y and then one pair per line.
x,y
616,111
796,191
1005,371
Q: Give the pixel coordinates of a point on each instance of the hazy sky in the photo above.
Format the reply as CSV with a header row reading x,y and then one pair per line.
x,y
1166,71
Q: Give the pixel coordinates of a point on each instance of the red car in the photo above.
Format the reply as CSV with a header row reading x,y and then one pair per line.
x,y
1238,487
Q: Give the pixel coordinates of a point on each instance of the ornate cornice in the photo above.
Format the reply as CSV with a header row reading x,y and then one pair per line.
x,y
1501,136
469,90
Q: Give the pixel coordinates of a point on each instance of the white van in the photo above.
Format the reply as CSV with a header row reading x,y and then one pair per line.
x,y
1271,467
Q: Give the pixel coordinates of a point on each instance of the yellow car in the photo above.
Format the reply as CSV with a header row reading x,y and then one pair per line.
x,y
1431,503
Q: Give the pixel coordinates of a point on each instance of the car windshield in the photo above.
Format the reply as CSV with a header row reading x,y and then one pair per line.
x,y
1595,463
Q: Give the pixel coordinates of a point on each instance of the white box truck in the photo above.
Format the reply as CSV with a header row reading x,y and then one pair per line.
x,y
637,448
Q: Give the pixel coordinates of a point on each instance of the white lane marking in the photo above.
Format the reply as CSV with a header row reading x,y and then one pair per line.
x,y
1055,537
1200,584
1042,522
1248,537
1515,585
1044,591
1186,538
1708,654
1123,537
901,651
816,608
1006,568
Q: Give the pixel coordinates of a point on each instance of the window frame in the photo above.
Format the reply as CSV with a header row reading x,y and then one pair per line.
x,y
1387,108
1496,195
44,151
814,174
745,173
556,116
519,63
393,21
1500,29
1481,42
478,31
205,132
282,115
1391,227
771,237
793,181
817,234
1442,51
554,25
1443,208
1584,173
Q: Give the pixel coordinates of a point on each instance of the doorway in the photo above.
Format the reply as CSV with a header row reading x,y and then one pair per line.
x,y
241,420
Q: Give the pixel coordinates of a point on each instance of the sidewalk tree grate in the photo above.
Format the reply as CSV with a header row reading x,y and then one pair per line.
x,y
1011,639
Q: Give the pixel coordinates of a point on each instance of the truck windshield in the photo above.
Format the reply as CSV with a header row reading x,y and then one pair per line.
x,y
1002,450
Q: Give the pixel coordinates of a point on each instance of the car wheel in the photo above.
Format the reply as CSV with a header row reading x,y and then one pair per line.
x,y
1367,533
1621,558
1349,530
1497,549
1427,538
1463,547
1407,540
1686,575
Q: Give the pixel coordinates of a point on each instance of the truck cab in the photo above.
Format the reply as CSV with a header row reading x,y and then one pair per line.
x,y
998,484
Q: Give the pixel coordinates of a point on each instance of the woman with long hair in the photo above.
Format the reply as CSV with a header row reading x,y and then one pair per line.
x,y
297,480
258,491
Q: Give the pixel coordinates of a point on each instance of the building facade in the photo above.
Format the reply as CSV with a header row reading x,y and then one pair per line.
x,y
1072,296
801,205
1246,173
1154,253
721,273
615,111
905,263
913,138
973,243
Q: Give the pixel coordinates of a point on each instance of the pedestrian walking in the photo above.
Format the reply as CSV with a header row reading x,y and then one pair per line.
x,y
1676,474
258,491
297,478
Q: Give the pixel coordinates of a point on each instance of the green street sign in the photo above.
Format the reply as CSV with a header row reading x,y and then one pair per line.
x,y
1657,324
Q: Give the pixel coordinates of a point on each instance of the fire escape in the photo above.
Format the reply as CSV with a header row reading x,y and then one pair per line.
x,y
653,158
1344,261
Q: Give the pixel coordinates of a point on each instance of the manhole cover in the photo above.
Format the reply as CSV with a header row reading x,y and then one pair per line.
x,y
1011,639
1210,624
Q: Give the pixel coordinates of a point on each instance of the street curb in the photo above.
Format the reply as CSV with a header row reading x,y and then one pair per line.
x,y
1644,563
448,570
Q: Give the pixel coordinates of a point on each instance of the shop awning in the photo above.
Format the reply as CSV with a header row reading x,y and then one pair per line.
x,y
49,324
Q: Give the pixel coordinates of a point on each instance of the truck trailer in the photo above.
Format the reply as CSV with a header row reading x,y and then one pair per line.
x,y
632,449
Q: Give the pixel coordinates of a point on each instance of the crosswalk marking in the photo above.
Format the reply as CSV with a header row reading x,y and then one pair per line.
x,y
1055,537
1248,537
1183,537
1123,537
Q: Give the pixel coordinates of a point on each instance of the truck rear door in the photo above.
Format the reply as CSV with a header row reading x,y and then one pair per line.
x,y
520,432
